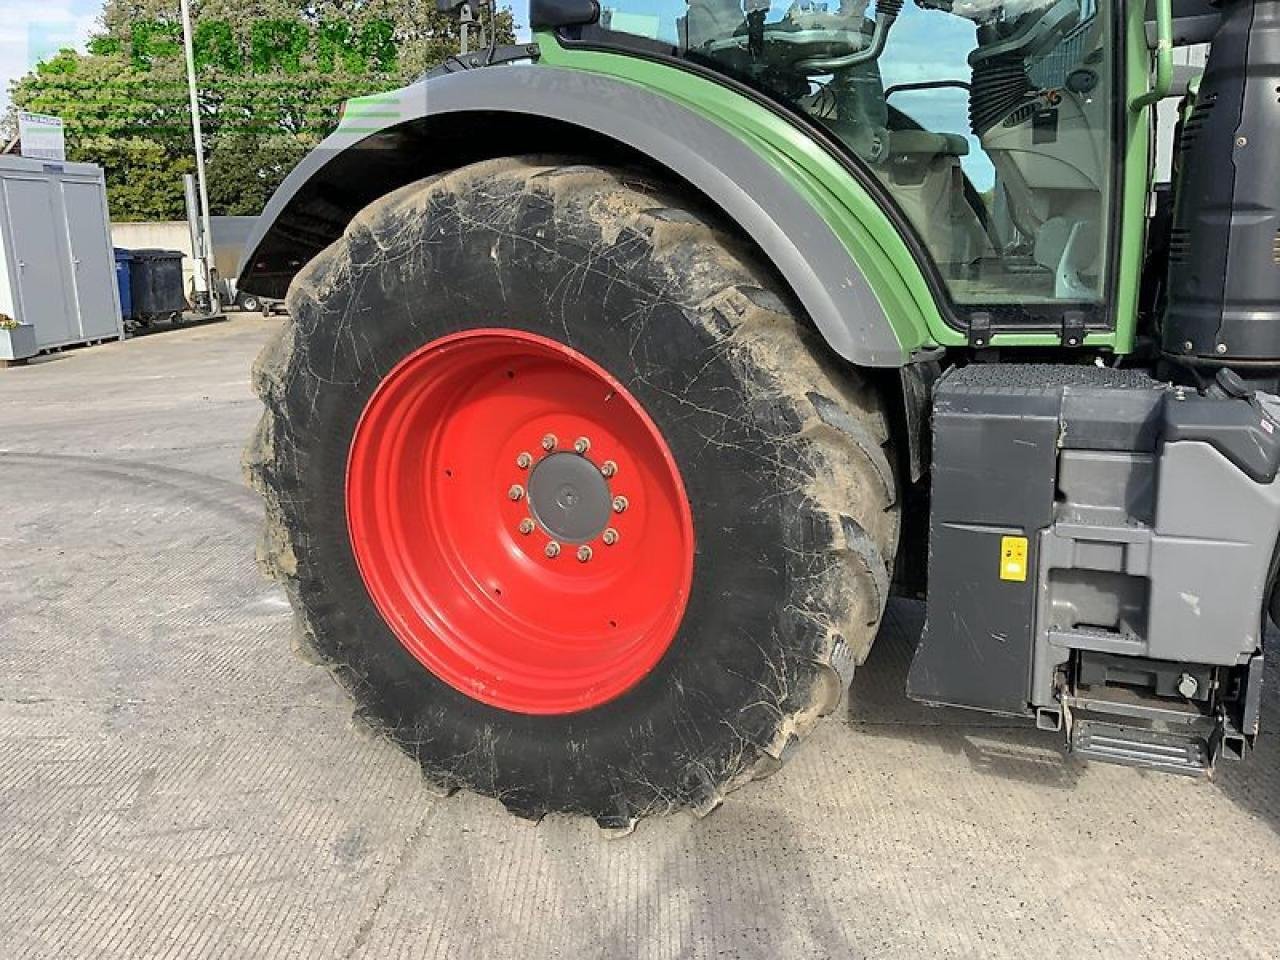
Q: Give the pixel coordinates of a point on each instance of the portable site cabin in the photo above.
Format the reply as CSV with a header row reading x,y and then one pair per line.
x,y
57,272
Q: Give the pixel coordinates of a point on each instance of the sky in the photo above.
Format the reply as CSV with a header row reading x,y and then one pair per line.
x,y
33,29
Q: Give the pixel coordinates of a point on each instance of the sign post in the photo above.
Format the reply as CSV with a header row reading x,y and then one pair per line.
x,y
204,254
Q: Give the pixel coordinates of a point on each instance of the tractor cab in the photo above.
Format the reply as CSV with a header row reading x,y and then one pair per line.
x,y
987,127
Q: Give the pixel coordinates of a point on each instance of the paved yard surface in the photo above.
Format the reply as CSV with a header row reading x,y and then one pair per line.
x,y
173,784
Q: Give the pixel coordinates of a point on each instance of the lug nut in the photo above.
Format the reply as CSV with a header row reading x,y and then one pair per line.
x,y
582,445
619,504
549,442
516,492
553,550
524,461
610,536
584,554
608,469
526,526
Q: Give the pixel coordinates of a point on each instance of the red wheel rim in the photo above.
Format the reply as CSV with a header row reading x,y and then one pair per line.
x,y
466,466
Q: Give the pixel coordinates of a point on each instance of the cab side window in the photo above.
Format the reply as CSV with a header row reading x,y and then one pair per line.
x,y
988,123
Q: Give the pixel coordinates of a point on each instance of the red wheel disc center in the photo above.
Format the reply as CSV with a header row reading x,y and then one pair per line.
x,y
519,522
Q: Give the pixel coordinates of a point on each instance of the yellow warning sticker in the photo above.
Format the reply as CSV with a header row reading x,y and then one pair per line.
x,y
1013,558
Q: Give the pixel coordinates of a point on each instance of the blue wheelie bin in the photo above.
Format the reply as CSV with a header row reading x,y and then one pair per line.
x,y
123,281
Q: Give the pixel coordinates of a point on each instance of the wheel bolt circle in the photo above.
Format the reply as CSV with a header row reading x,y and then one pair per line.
x,y
582,445
526,526
516,492
524,461
552,550
584,553
619,504
610,536
608,469
549,442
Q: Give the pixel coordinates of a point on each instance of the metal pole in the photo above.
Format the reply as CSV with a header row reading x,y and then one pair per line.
x,y
191,200
464,28
206,240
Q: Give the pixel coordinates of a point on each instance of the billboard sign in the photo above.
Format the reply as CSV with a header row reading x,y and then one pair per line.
x,y
42,136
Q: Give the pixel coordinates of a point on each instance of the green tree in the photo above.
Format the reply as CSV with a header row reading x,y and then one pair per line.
x,y
272,77
245,170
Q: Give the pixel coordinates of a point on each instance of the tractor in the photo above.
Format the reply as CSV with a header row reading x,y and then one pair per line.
x,y
631,370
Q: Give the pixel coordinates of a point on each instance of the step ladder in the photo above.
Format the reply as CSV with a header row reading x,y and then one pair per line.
x,y
1130,728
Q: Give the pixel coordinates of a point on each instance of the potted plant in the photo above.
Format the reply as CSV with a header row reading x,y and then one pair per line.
x,y
17,340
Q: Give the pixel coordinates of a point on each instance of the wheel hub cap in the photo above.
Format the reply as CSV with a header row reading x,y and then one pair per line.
x,y
569,497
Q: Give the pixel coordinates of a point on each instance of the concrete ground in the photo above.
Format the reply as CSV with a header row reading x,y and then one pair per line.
x,y
173,784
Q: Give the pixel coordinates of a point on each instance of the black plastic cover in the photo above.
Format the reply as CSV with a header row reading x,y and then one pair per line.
x,y
1235,428
995,432
1224,260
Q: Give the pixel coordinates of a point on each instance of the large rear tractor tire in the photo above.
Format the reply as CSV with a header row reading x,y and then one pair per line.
x,y
567,494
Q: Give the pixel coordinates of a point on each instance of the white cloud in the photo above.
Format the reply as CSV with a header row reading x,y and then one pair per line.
x,y
31,30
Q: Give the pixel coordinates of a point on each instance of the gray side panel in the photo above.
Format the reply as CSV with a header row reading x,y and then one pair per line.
x,y
1041,452
792,235
1215,533
994,449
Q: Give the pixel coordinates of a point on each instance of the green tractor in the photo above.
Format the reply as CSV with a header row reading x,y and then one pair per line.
x,y
630,371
